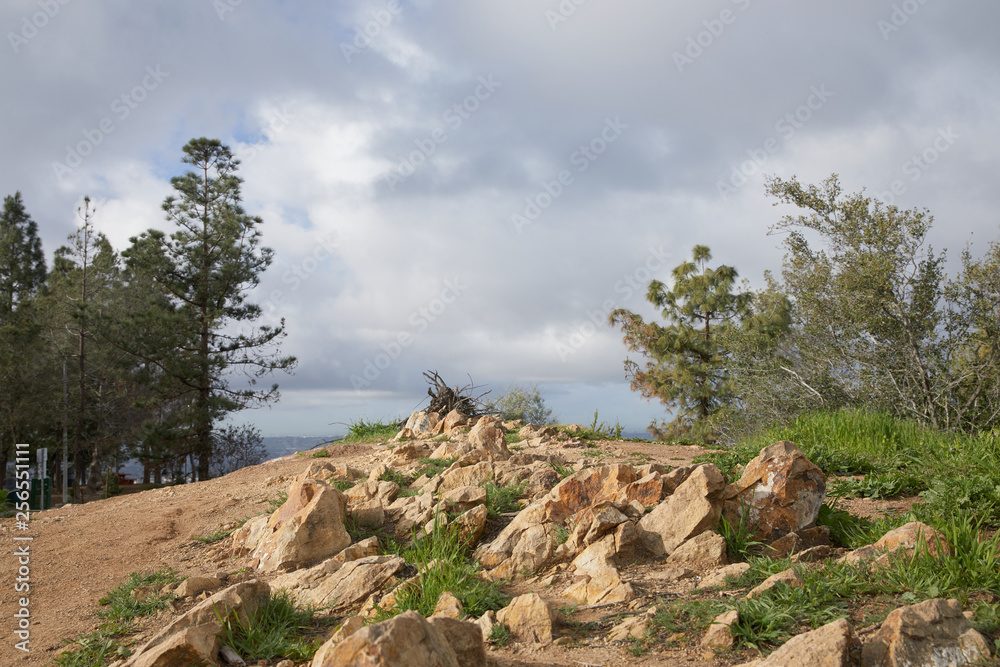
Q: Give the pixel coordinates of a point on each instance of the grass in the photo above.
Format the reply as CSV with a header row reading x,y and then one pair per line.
x,y
138,597
443,564
277,502
500,635
279,629
375,430
601,431
738,537
561,470
214,537
501,499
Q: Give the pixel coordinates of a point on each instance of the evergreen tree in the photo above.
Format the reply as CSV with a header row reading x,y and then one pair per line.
x,y
206,268
22,276
687,362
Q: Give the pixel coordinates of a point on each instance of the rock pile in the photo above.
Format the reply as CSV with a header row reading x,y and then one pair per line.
x,y
581,528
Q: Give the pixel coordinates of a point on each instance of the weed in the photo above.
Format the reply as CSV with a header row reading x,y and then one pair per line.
x,y
501,499
392,475
431,467
561,534
342,484
601,431
214,537
362,430
499,635
275,503
739,537
561,470
276,630
516,448
92,650
321,454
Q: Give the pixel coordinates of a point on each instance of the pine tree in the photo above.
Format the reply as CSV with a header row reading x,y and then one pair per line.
x,y
206,268
22,276
686,366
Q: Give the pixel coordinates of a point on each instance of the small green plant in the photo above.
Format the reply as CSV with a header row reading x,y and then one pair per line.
x,y
214,537
561,534
275,503
93,649
431,467
739,536
561,470
499,635
321,454
361,430
392,475
342,484
501,499
601,431
277,630
112,486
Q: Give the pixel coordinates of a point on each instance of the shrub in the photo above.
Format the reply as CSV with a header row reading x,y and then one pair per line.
x,y
521,402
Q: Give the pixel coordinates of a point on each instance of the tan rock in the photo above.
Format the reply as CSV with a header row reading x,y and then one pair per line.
x,y
406,640
248,536
780,491
368,513
931,633
647,490
408,453
191,637
347,585
464,497
472,523
529,618
802,540
346,629
718,635
384,492
448,605
905,539
693,508
194,585
827,646
454,419
308,527
789,577
634,627
719,577
473,475
465,639
363,549
705,551
488,435
451,449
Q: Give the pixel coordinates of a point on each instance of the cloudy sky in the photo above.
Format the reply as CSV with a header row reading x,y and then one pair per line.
x,y
469,186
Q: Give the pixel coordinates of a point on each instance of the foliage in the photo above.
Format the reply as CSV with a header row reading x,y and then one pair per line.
x,y
521,402
276,630
236,447
443,564
205,269
362,430
501,499
500,635
686,367
738,537
601,430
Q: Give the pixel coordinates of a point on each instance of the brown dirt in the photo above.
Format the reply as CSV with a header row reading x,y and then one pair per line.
x,y
79,552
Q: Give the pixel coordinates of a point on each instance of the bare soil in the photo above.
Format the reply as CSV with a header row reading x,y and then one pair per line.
x,y
79,552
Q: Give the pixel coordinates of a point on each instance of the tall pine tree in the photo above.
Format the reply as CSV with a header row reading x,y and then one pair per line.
x,y
206,268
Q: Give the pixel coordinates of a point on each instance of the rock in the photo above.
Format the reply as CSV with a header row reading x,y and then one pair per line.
x,y
599,580
647,490
368,513
454,419
362,549
591,525
408,453
486,622
827,646
529,618
346,629
718,635
541,482
801,540
533,551
344,586
705,551
529,431
789,576
780,491
488,435
406,640
451,449
464,498
718,578
472,523
192,586
308,527
473,475
693,508
931,633
384,492
905,539
465,639
448,605
671,480
537,522
633,627
248,536
191,638
422,424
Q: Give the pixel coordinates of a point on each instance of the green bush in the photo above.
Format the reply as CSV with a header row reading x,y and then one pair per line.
x,y
277,630
521,402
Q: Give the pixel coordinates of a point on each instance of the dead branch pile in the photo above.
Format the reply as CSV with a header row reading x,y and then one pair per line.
x,y
444,399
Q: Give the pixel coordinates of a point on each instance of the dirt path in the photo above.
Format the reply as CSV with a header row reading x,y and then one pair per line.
x,y
79,552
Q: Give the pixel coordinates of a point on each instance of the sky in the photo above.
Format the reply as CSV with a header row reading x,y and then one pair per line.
x,y
472,186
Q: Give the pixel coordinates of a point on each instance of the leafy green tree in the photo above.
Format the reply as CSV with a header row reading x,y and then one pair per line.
x,y
686,365
22,276
206,268
521,402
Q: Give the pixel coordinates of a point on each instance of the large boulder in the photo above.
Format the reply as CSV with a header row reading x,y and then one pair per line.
x,y
407,640
827,646
192,638
339,586
529,618
692,509
307,528
931,633
780,491
465,638
488,435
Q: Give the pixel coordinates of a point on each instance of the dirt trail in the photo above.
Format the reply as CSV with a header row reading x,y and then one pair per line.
x,y
79,552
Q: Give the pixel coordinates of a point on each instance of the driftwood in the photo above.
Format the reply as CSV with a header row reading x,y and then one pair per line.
x,y
444,399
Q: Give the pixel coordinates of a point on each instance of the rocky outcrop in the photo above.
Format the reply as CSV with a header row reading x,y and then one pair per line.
x,y
407,640
529,618
928,634
827,646
693,508
780,492
307,528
